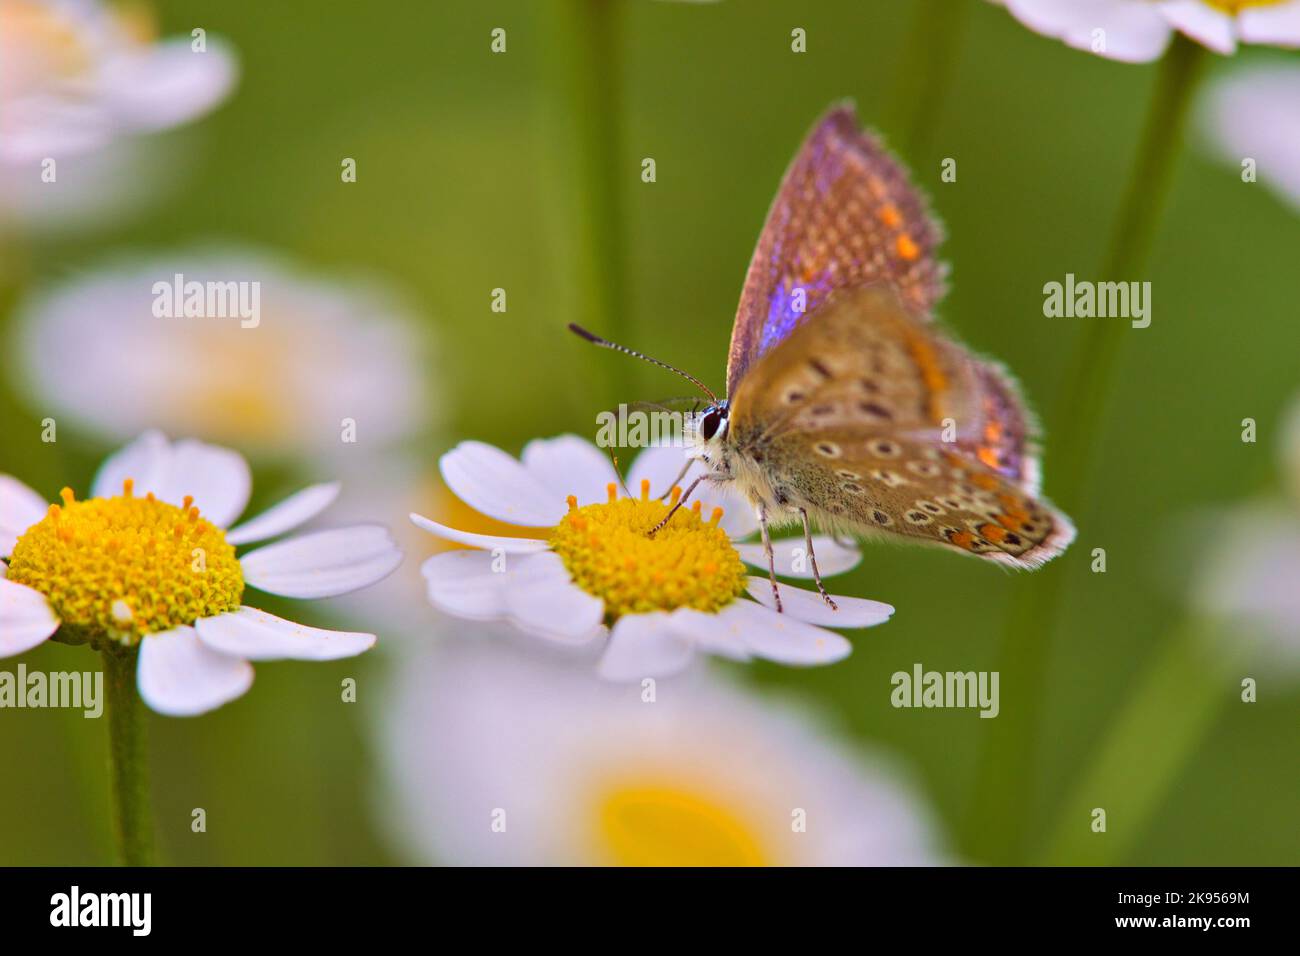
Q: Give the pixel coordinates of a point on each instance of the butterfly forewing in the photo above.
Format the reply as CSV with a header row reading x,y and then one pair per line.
x,y
845,215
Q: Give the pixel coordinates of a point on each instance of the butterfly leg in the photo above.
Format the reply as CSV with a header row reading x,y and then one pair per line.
x,y
812,556
771,556
673,510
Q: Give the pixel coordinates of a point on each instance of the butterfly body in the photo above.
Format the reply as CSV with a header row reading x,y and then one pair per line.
x,y
847,406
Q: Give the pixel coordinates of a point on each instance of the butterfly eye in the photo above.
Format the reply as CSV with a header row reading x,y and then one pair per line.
x,y
710,424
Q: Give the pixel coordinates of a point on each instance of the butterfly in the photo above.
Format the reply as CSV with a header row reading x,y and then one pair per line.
x,y
847,406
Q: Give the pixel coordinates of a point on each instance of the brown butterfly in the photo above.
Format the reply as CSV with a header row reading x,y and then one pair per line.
x,y
846,405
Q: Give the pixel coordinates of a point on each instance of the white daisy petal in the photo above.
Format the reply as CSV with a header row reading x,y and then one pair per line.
x,y
1133,32
569,465
323,563
180,676
781,637
217,478
258,636
541,599
26,618
490,481
808,606
465,584
293,511
1275,25
792,558
20,508
1255,112
1204,24
662,466
708,635
645,645
489,542
144,461
169,83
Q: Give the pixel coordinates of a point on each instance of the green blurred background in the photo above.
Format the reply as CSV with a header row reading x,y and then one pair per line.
x,y
468,179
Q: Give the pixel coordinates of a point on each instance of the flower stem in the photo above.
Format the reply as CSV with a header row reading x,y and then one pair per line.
x,y
582,48
1005,789
1184,692
928,64
128,761
1139,215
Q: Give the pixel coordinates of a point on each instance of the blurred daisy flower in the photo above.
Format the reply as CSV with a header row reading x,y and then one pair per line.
x,y
1137,31
290,364
76,74
1252,576
1255,113
590,566
499,756
147,562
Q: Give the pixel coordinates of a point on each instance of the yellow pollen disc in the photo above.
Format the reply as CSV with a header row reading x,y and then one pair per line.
x,y
1236,6
608,552
123,567
669,826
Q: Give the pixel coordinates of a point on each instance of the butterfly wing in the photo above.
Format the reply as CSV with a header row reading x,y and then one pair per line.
x,y
845,215
872,419
870,484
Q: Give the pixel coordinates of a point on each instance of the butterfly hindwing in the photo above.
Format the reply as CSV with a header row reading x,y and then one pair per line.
x,y
845,215
873,421
867,363
878,484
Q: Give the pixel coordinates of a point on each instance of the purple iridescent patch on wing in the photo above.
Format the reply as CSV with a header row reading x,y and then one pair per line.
x,y
845,215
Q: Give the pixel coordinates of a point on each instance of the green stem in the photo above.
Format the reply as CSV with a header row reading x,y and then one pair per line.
x,y
1155,733
1084,399
585,79
928,65
128,760
1005,788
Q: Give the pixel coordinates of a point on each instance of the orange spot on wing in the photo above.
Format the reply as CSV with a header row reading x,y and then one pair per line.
x,y
989,456
932,375
993,532
963,539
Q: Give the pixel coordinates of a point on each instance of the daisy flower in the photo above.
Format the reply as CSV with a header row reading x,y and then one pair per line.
x,y
1255,113
146,562
508,756
1137,31
76,74
590,566
327,366
1250,577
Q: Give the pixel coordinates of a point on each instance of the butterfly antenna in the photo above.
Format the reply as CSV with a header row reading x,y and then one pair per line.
x,y
595,339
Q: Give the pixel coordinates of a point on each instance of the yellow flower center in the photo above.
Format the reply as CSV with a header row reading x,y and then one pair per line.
x,y
1234,7
120,568
610,554
656,825
43,41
